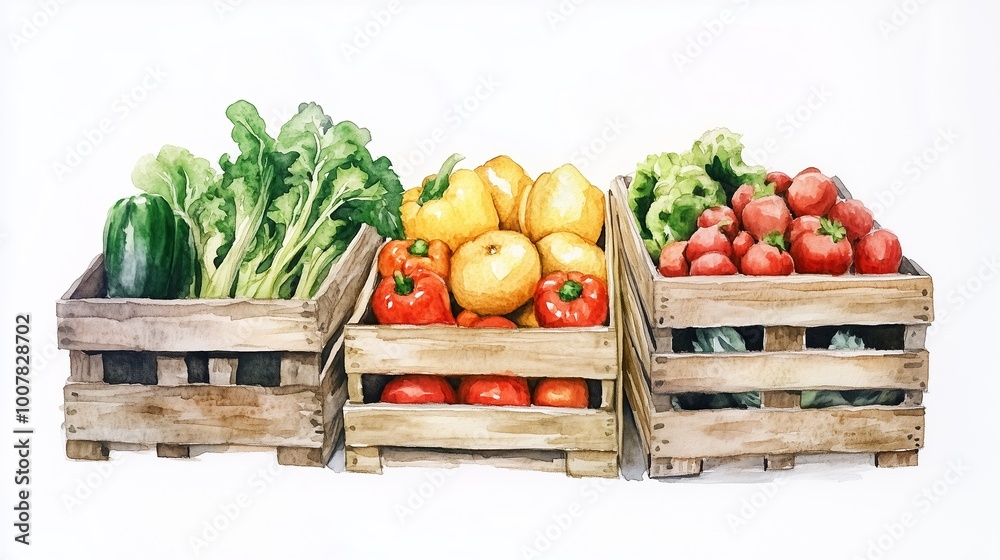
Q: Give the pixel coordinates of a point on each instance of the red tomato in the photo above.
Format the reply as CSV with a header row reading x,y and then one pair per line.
x,y
780,181
741,245
811,194
471,320
672,261
418,389
712,264
768,258
720,215
741,198
801,225
567,393
707,240
826,251
856,218
498,390
809,170
766,215
878,253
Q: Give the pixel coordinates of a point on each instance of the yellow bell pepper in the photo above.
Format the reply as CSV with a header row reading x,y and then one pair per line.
x,y
563,200
505,180
454,207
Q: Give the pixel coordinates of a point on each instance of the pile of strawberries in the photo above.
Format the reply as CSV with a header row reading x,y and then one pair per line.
x,y
758,236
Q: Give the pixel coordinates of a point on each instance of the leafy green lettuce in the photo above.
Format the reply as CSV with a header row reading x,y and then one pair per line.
x,y
670,191
844,340
716,339
283,209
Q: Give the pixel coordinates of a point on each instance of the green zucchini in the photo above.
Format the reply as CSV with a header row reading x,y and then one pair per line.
x,y
148,250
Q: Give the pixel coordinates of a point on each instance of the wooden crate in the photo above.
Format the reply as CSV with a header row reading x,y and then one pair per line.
x,y
656,310
578,442
197,347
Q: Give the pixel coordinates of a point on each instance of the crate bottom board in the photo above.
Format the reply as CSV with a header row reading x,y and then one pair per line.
x,y
573,463
289,456
469,427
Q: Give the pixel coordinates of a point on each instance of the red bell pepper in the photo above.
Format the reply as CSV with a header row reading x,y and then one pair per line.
x,y
418,299
473,321
411,255
571,299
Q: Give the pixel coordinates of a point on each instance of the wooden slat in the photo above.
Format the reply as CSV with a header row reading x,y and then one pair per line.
x,y
638,392
334,391
608,394
355,390
634,321
363,459
893,459
300,368
777,339
170,451
780,399
730,432
662,467
86,450
86,368
592,463
171,371
193,414
779,462
915,337
634,255
222,371
586,352
812,369
532,460
337,297
300,456
479,427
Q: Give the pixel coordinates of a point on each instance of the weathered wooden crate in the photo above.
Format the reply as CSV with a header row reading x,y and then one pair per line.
x,y
784,312
578,442
202,372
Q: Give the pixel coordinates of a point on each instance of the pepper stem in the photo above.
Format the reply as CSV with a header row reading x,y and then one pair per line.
x,y
419,248
404,284
570,290
435,189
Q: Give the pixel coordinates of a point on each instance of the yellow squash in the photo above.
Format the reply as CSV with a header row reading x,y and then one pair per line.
x,y
453,207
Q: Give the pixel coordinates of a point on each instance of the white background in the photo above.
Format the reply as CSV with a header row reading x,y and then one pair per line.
x,y
873,84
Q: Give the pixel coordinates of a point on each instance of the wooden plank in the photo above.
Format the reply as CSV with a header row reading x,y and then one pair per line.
x,y
778,339
592,463
804,300
734,372
779,462
222,371
86,368
780,399
634,255
530,460
334,391
662,467
731,432
634,322
363,459
663,340
86,450
915,337
173,451
337,297
638,392
300,456
193,414
300,368
355,389
454,426
893,459
578,352
608,394
171,371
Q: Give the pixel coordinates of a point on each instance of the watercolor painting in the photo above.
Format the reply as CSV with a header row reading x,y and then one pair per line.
x,y
395,279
